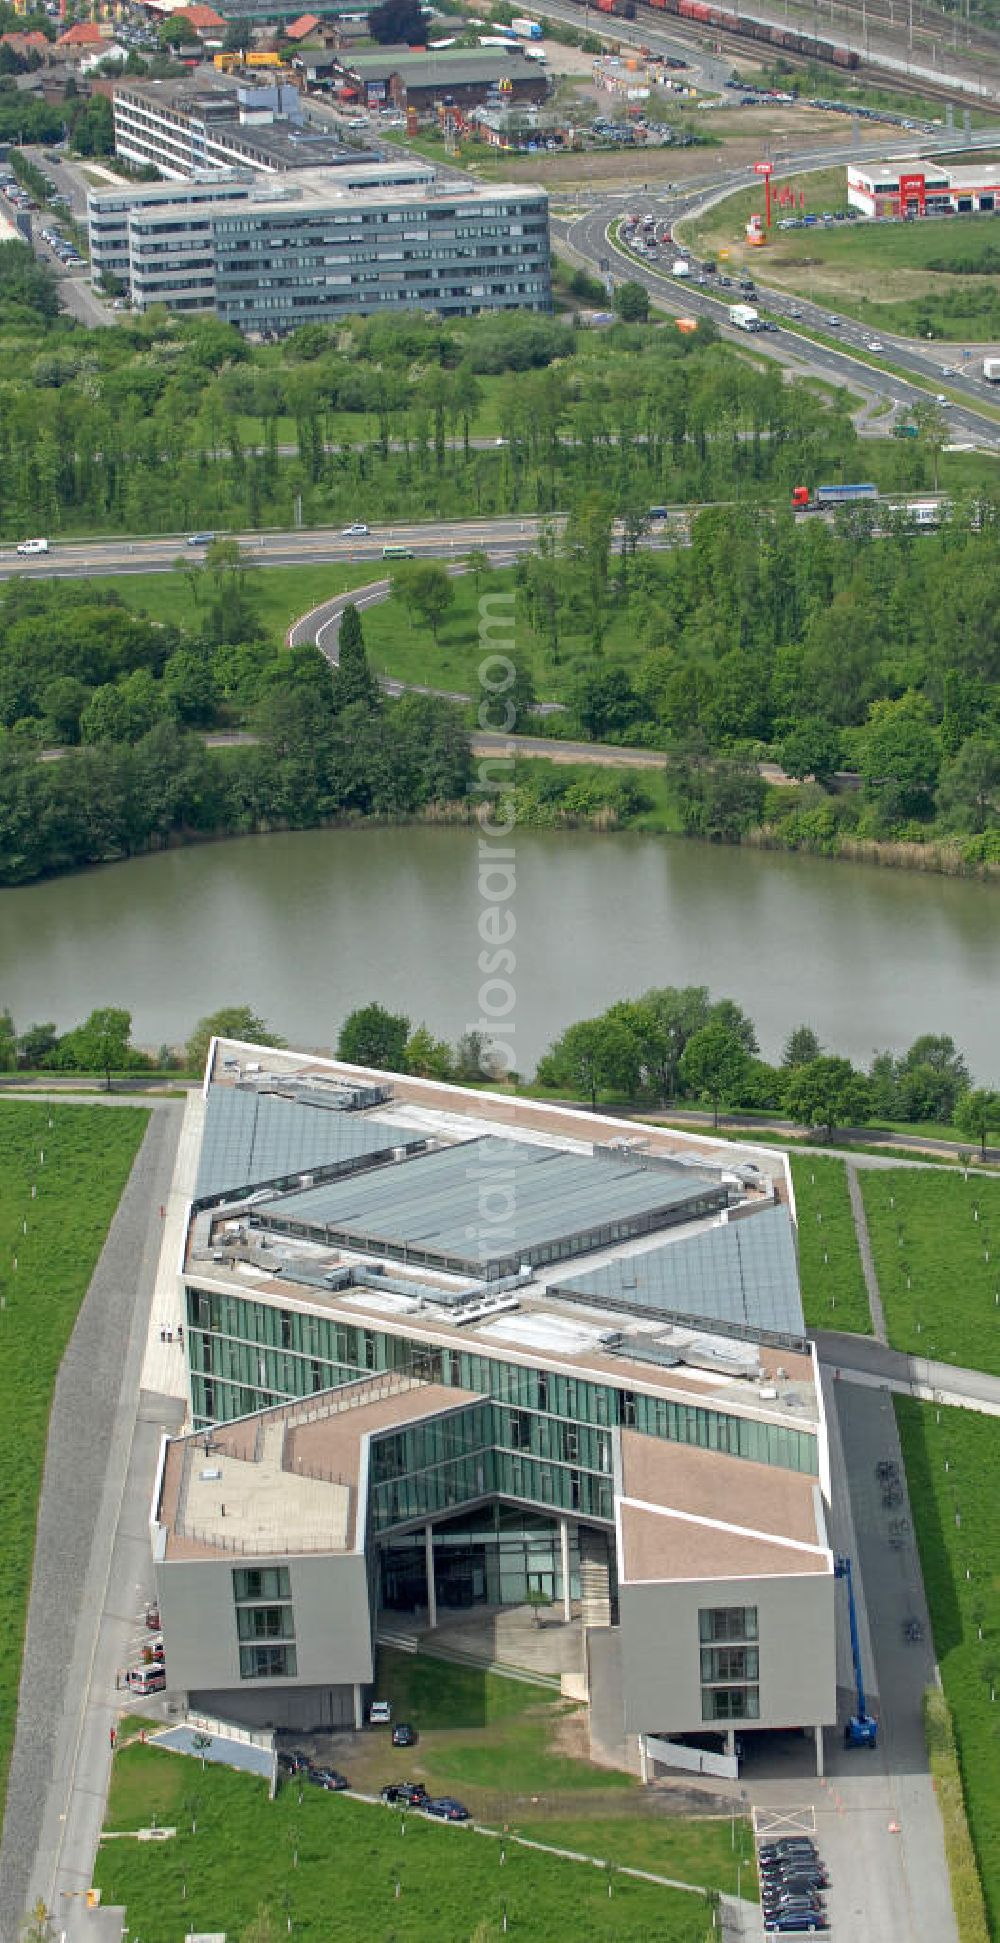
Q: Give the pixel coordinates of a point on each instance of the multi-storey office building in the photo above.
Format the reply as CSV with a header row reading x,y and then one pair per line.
x,y
271,255
220,121
437,1364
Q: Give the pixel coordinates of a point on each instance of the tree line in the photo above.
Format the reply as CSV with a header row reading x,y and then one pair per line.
x,y
330,747
675,1045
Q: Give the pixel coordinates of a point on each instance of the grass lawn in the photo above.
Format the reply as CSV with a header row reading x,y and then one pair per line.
x,y
88,1153
331,1867
959,1606
919,279
281,593
706,1851
938,1265
834,1295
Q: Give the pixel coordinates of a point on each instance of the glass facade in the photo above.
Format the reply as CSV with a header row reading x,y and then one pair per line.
x,y
729,1671
429,1468
265,1627
248,1355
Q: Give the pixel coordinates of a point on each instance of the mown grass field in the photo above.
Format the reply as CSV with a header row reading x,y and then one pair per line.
x,y
961,1606
936,1242
834,1295
918,279
88,1152
331,1867
280,594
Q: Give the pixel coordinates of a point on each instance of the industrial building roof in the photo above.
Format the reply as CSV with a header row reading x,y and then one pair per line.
x,y
421,70
252,1137
491,1200
742,1274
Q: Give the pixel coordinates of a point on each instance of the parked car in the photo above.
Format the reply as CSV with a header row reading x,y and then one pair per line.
x,y
788,1845
446,1809
328,1778
380,1713
403,1735
804,1876
795,1922
404,1794
296,1761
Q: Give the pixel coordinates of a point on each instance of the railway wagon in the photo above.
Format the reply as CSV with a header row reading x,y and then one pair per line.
x,y
742,25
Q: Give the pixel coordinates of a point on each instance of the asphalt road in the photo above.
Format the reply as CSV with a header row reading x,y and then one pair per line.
x,y
587,237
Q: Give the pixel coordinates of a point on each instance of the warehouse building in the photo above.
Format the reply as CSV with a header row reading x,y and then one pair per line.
x,y
458,77
442,1365
270,254
919,188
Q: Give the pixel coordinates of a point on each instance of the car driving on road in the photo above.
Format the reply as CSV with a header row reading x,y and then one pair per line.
x,y
356,531
33,546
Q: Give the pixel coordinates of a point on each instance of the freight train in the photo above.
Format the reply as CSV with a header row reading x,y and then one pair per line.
x,y
733,23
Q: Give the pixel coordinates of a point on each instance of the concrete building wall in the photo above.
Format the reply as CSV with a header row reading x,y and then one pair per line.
x,y
329,1598
306,1710
661,1651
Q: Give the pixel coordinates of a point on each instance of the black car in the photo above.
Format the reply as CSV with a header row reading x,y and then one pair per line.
x,y
791,1845
795,1876
403,1735
328,1778
404,1794
446,1809
771,1903
295,1762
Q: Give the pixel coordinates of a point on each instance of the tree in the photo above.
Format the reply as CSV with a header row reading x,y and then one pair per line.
x,y
427,1057
472,1057
353,681
592,1056
8,1042
826,1093
605,703
715,1066
930,1078
477,562
371,1036
36,1045
968,796
812,748
661,1022
426,586
801,1046
398,23
631,302
105,1041
900,755
978,1114
230,1022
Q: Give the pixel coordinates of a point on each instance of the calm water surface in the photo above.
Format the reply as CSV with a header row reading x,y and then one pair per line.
x,y
306,926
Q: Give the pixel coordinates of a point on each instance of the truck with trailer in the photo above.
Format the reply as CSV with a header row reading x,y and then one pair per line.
x,y
743,317
826,497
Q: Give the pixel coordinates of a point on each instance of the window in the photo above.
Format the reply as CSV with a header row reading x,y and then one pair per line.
x,y
257,1582
727,1623
730,1703
265,1622
720,1664
268,1663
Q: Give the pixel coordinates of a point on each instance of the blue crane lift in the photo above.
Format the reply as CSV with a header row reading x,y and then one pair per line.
x,y
862,1728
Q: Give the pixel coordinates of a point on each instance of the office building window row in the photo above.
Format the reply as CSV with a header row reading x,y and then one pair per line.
x,y
246,1355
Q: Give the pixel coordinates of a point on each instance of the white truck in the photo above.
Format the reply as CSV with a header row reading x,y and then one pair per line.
x,y
743,317
525,29
682,267
991,370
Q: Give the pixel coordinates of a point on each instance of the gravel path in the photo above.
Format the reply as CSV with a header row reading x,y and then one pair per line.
x,y
90,1435
865,1248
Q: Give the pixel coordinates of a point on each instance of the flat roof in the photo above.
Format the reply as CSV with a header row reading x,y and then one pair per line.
x,y
285,1480
490,1199
742,1273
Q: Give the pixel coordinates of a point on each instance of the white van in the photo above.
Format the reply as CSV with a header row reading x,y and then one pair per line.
x,y
147,1679
33,546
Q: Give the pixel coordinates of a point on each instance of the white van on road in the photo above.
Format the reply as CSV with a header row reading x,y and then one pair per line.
x,y
33,546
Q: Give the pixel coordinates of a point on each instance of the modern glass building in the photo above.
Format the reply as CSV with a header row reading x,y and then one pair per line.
x,y
407,1439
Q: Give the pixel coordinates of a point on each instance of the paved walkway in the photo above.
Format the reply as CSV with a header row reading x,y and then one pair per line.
x,y
865,1250
860,1360
164,1370
87,1459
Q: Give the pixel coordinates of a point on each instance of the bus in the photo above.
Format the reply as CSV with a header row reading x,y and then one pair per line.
x,y
397,553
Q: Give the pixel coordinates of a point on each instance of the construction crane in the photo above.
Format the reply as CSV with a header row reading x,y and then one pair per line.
x,y
862,1728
